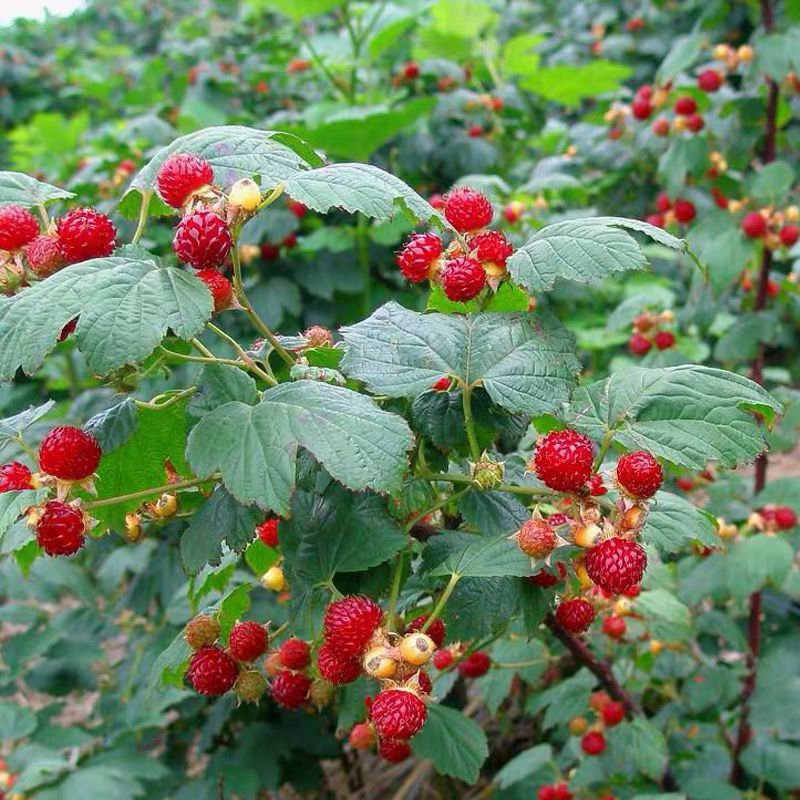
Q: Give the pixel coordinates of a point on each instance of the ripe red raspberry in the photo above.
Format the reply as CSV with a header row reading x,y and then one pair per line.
x,y
336,668
298,209
685,484
545,579
18,227
268,532
614,627
575,615
410,70
709,80
663,340
475,131
397,714
294,653
462,278
437,630
645,90
616,564
436,201
418,256
475,664
289,241
684,106
684,211
559,791
180,175
641,108
695,123
14,477
596,486
69,454
657,220
61,528
613,713
442,659
536,538
212,671
467,209
789,235
660,127
785,518
754,225
639,345
563,460
593,743
441,385
219,286
84,233
248,641
421,679
202,239
491,247
44,256
290,689
639,474
394,751
663,203
269,251
362,737
349,624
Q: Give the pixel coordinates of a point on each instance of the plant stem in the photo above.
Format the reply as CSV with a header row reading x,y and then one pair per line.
x,y
397,579
469,423
173,399
457,478
248,362
169,487
439,607
315,57
362,243
144,210
200,359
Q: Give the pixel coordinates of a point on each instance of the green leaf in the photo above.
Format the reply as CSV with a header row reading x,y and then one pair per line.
x,y
218,384
255,447
687,414
16,721
683,53
683,157
13,427
455,744
525,362
570,83
668,618
12,504
776,762
648,748
468,555
22,190
523,764
776,53
757,561
718,242
741,342
770,185
564,700
298,10
125,307
114,426
232,608
674,523
583,250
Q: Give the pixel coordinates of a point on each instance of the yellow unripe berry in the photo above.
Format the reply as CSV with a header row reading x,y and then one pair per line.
x,y
274,579
656,646
248,252
745,54
792,214
622,606
583,577
378,663
578,726
133,527
166,506
721,52
679,124
586,535
245,194
417,648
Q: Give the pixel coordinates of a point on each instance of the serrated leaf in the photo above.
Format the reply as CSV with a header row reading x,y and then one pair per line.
x,y
523,764
682,54
770,185
776,762
649,748
673,524
668,618
467,555
12,504
125,307
570,83
480,607
218,384
564,700
16,721
114,426
255,447
22,190
14,427
757,561
525,362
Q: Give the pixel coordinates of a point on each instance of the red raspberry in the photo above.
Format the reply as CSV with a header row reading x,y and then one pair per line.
x,y
202,239
423,680
290,689
614,627
656,220
349,624
268,532
613,713
362,737
785,518
442,659
639,345
663,340
789,235
84,233
468,209
475,131
60,530
559,791
616,564
593,743
695,123
269,251
685,484
394,750
639,474
68,329
663,203
441,385
545,579
754,225
436,201
563,460
684,106
126,165
575,615
294,653
14,477
180,175
491,247
475,664
684,211
44,256
411,70
660,127
536,538
248,641
219,286
596,486
397,714
336,668
646,91
462,278
418,255
212,671
437,630
298,209
18,227
632,25
69,454
289,241
641,108
709,80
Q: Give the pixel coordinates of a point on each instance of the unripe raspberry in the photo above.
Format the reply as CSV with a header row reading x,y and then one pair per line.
x,y
219,286
578,726
267,531
294,653
69,453
614,627
84,233
202,239
709,80
201,632
491,247
616,564
613,713
754,225
536,538
362,737
397,714
165,507
442,659
468,209
663,340
212,671
317,336
475,664
437,630
18,227
417,648
417,259
248,641
245,194
641,108
575,615
290,689
180,175
785,518
14,477
297,208
513,211
660,127
684,211
639,474
250,686
61,529
563,460
639,345
789,235
394,751
274,579
684,106
377,663
487,474
745,53
44,256
335,668
593,743
350,623
585,534
599,700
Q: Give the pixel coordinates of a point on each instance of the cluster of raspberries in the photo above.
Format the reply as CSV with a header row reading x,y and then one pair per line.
x,y
649,330
473,260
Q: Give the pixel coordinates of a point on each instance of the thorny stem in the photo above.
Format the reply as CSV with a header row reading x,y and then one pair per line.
x,y
169,487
